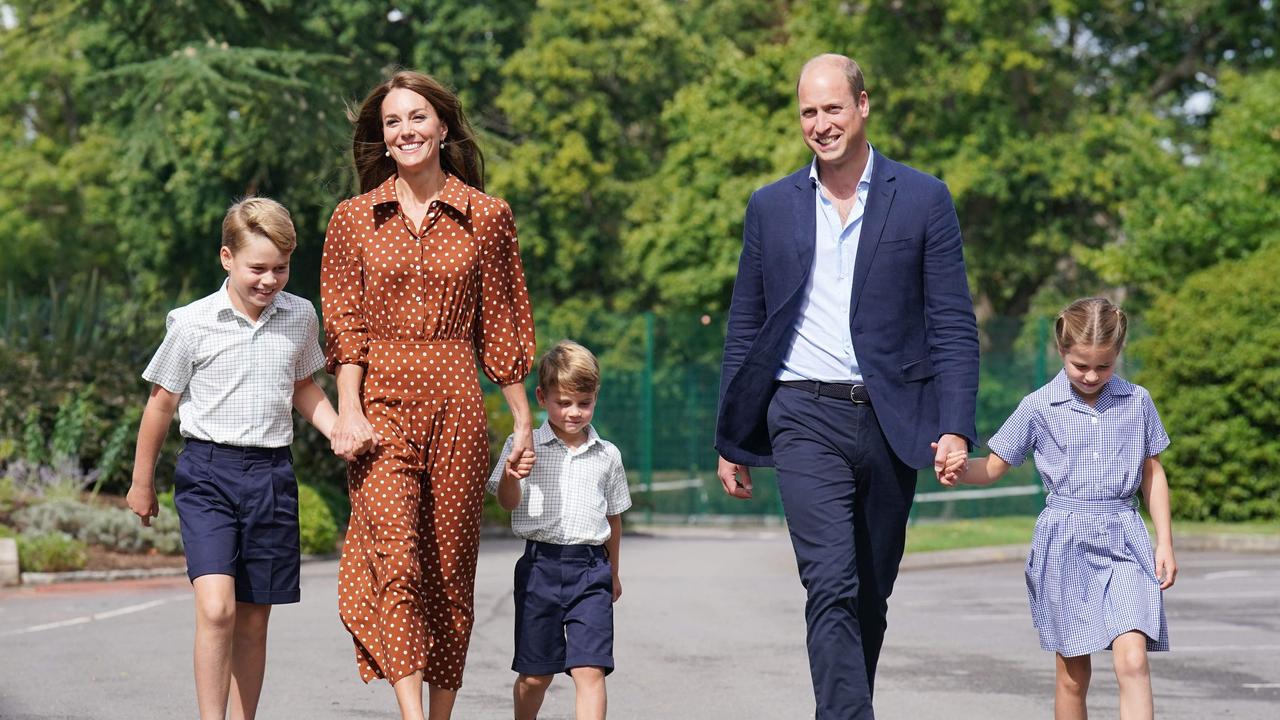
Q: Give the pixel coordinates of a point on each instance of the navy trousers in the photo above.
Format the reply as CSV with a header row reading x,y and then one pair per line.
x,y
847,497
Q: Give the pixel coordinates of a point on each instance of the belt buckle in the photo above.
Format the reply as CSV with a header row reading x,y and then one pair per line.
x,y
853,394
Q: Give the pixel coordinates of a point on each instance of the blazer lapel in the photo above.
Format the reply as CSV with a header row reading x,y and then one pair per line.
x,y
806,224
879,202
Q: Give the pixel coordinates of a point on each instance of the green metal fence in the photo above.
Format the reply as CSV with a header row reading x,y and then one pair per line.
x,y
660,381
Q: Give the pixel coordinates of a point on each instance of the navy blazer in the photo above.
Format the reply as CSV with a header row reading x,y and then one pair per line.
x,y
911,316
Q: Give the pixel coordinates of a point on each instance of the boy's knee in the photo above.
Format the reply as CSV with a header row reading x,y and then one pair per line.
x,y
534,682
587,675
216,611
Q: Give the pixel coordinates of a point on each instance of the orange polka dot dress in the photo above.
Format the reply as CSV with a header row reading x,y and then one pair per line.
x,y
417,308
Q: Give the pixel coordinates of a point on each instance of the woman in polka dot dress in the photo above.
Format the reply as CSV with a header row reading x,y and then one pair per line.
x,y
421,278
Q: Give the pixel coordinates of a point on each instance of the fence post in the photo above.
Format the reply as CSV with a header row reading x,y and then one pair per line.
x,y
646,416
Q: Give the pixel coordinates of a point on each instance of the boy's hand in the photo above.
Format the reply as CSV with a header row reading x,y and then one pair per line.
x,y
1166,566
617,586
518,468
142,501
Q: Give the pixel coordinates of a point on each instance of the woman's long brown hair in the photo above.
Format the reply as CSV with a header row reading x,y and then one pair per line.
x,y
460,156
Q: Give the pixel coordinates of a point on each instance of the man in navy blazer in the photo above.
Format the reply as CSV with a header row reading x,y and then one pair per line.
x,y
850,362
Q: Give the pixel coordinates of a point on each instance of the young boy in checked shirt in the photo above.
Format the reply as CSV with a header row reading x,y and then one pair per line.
x,y
569,510
234,365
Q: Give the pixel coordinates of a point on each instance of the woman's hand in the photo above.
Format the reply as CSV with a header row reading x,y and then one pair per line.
x,y
352,435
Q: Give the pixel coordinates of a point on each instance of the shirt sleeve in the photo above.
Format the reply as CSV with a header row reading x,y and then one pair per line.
x,y
1016,437
172,365
310,358
342,292
618,496
1157,439
496,476
504,336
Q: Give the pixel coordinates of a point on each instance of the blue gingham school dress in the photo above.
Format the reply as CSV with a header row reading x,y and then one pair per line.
x,y
1091,570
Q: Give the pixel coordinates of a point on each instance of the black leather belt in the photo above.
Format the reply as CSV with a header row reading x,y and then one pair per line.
x,y
855,393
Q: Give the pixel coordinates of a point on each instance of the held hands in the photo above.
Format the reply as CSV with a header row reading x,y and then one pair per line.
x,y
735,478
950,466
1166,566
352,436
520,461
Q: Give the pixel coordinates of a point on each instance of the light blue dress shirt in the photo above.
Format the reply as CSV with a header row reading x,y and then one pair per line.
x,y
823,344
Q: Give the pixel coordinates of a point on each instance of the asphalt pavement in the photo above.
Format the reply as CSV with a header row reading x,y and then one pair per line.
x,y
710,625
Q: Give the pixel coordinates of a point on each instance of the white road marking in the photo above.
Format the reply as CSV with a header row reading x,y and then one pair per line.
x,y
1226,648
83,619
1262,686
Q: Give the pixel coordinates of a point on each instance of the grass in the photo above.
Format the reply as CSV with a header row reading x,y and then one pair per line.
x,y
1014,530
956,534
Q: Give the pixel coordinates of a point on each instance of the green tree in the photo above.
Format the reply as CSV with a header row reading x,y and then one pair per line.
x,y
1212,364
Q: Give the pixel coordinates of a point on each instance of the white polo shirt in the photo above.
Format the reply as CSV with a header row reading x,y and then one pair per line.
x,y
571,492
235,375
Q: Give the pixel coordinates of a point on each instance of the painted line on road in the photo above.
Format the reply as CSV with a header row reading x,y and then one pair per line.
x,y
1231,574
1262,686
83,619
1226,648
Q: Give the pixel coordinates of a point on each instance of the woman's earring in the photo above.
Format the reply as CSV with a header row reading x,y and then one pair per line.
x,y
387,153
443,143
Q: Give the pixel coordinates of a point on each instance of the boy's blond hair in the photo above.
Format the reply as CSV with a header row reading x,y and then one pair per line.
x,y
569,367
258,216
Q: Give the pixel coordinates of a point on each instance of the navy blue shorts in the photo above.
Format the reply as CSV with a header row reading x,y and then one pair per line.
x,y
564,609
238,509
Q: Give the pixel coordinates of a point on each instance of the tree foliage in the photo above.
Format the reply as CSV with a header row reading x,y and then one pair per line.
x,y
1212,363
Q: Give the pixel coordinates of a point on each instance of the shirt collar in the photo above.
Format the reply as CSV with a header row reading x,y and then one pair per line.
x,y
455,193
223,308
1060,390
545,435
863,182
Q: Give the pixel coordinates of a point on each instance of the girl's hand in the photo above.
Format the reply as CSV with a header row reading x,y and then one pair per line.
x,y
1166,566
352,435
617,586
520,461
142,501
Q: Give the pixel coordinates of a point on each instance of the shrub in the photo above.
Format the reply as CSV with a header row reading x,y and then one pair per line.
x,y
53,552
112,528
55,516
319,531
1212,365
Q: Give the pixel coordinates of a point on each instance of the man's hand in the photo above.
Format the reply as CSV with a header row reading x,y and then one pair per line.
x,y
735,478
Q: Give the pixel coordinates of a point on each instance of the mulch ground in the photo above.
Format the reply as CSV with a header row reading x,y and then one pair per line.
x,y
101,559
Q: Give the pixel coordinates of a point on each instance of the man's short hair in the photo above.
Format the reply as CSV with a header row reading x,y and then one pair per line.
x,y
852,73
569,367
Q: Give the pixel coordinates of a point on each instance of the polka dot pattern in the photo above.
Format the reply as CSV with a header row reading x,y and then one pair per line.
x,y
418,307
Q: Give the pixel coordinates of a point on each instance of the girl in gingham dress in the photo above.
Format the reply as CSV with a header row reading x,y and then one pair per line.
x,y
1092,577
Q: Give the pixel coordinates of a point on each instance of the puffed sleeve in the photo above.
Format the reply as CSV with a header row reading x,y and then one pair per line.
x,y
1157,438
504,334
342,292
1017,436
